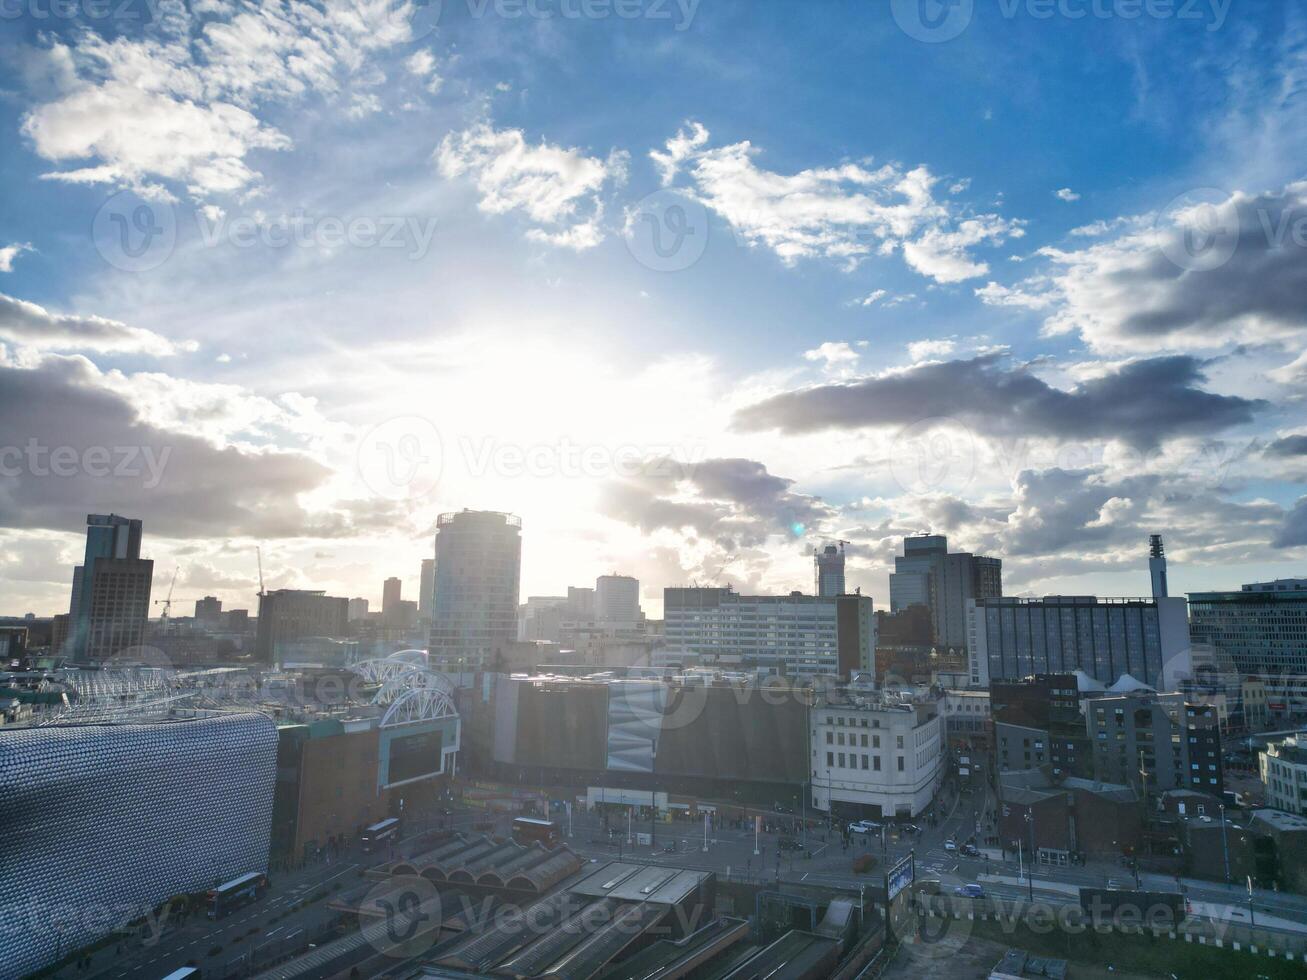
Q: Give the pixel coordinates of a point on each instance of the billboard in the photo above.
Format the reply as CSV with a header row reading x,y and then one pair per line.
x,y
899,877
414,751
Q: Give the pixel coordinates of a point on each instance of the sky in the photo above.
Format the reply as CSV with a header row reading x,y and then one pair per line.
x,y
691,286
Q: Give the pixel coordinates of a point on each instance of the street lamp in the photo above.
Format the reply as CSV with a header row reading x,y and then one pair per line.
x,y
1030,880
1225,845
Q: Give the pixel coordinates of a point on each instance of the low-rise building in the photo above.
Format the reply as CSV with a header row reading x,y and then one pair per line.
x,y
876,755
966,717
1060,818
1284,774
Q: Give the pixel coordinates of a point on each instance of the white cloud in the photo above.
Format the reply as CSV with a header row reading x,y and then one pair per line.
x,y
922,350
994,294
181,103
1066,194
36,327
10,252
557,188
833,354
846,213
422,64
873,297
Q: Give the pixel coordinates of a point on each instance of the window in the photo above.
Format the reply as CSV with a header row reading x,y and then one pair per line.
x,y
900,763
830,759
876,759
875,741
830,738
842,760
864,741
864,762
899,740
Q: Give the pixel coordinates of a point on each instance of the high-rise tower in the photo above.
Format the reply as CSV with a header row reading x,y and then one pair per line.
x,y
1157,566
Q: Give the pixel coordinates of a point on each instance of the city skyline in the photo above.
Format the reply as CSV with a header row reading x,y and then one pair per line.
x,y
771,309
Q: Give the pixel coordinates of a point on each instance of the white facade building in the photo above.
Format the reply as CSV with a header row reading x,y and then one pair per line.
x,y
617,601
876,756
1284,774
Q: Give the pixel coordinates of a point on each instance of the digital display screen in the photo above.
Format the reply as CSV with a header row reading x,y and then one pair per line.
x,y
414,755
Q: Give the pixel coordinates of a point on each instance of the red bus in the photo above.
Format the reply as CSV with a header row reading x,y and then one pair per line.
x,y
528,830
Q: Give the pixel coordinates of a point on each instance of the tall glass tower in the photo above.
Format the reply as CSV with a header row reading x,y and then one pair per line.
x,y
478,574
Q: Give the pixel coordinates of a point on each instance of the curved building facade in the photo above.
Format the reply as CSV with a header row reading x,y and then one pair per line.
x,y
101,822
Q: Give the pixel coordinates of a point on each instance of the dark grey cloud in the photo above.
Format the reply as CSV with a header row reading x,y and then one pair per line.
x,y
181,485
734,503
1143,403
1288,446
1293,534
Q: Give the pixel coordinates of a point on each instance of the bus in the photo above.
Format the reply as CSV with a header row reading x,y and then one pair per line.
x,y
528,830
240,891
185,973
376,835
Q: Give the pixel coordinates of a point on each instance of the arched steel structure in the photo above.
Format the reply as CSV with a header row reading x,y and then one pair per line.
x,y
416,657
381,669
414,677
419,704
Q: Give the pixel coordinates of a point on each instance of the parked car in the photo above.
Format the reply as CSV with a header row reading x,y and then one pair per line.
x,y
789,844
969,891
950,845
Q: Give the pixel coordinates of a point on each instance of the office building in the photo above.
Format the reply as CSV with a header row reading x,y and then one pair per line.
x,y
876,756
478,572
1010,638
427,589
116,818
208,611
1284,774
1157,742
290,615
790,634
357,609
828,570
927,574
391,592
617,601
967,718
1259,630
1037,722
111,590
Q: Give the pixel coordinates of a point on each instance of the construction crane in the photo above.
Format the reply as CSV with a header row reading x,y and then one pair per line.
x,y
167,603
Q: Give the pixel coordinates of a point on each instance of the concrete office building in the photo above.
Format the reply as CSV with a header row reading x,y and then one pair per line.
x,y
617,601
927,574
111,590
1156,741
791,634
290,615
392,592
828,570
117,818
876,756
357,609
1260,630
478,574
1009,639
1284,774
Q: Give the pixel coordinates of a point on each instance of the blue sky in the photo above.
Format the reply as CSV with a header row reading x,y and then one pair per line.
x,y
901,284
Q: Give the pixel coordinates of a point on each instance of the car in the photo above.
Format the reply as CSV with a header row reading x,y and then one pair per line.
x,y
864,827
909,828
950,845
789,844
971,850
969,891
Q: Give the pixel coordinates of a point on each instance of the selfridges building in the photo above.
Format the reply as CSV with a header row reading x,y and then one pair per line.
x,y
99,823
